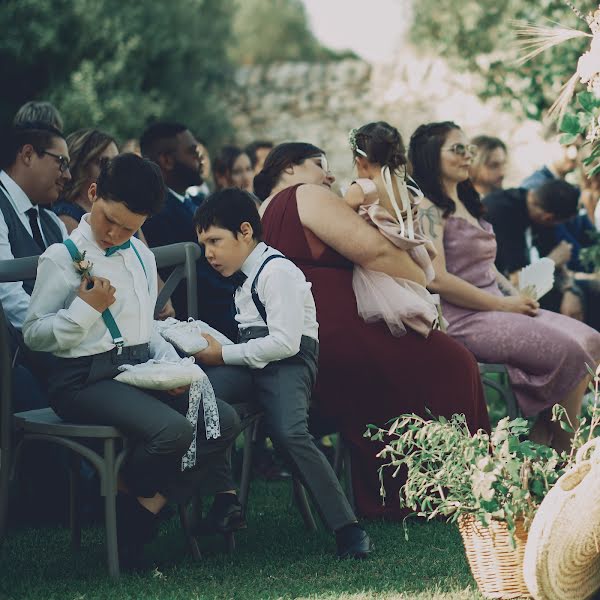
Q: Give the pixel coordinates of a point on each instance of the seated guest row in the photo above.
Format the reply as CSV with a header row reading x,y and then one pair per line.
x,y
375,359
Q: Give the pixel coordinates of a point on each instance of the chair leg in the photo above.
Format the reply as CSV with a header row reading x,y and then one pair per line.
x,y
303,505
348,477
110,510
75,501
229,542
249,438
5,471
338,459
184,519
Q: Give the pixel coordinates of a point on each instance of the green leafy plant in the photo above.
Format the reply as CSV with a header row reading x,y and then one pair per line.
x,y
584,122
451,472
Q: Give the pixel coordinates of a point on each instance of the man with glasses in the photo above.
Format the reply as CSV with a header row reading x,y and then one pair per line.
x,y
34,159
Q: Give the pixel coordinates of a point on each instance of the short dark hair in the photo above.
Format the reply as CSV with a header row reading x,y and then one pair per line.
x,y
133,181
279,159
40,135
252,147
159,138
558,198
44,112
228,209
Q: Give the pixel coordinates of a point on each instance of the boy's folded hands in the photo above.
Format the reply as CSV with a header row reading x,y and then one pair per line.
x,y
97,292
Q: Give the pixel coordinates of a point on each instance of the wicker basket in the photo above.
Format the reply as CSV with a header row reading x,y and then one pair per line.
x,y
496,566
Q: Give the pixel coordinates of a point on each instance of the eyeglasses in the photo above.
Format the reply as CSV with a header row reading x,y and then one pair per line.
x,y
63,161
322,162
462,149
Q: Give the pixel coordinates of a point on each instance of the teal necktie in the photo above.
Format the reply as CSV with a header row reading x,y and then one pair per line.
x,y
110,251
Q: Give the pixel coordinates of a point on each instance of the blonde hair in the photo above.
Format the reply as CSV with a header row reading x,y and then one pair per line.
x,y
85,146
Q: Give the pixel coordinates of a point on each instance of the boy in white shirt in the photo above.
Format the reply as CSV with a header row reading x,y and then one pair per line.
x,y
278,340
100,266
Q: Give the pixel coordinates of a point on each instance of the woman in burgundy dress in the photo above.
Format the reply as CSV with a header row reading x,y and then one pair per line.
x,y
366,375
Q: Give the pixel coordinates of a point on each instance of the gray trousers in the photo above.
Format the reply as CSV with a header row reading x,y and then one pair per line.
x,y
82,391
283,390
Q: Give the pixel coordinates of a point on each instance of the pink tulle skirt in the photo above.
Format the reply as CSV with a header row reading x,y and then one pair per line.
x,y
399,302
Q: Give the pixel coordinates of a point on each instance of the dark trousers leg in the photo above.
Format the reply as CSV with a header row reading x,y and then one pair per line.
x,y
283,391
159,434
212,473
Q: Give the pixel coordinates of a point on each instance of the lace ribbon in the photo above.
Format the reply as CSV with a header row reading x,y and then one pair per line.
x,y
201,390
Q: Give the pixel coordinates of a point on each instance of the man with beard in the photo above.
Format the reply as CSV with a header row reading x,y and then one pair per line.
x,y
173,147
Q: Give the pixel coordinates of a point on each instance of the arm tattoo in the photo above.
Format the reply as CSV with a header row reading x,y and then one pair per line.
x,y
431,216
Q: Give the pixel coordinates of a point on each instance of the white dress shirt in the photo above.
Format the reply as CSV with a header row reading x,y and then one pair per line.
x,y
289,306
14,298
59,321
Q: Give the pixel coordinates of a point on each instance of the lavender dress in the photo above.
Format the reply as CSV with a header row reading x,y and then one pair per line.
x,y
545,355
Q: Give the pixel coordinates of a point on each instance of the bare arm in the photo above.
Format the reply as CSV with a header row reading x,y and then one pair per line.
x,y
506,287
355,196
338,226
453,288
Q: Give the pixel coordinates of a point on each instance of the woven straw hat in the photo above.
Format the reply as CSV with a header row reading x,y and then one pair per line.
x,y
562,556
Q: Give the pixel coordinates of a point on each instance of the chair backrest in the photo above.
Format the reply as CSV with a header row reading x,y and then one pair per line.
x,y
183,257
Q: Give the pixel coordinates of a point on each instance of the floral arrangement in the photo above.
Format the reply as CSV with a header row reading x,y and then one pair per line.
x,y
500,476
452,472
83,266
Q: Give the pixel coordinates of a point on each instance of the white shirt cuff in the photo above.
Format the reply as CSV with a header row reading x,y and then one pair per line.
x,y
233,354
82,313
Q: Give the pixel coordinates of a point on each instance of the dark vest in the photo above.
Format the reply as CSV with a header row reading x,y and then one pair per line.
x,y
21,242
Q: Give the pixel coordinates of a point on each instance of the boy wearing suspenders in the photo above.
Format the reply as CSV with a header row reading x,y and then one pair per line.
x,y
278,340
92,307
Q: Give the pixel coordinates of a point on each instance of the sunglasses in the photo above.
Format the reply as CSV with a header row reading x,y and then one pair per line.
x,y
462,149
63,161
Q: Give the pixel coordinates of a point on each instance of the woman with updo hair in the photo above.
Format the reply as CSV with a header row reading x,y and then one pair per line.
x,y
545,353
366,374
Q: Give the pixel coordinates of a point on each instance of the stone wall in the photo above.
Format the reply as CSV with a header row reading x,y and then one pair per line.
x,y
320,103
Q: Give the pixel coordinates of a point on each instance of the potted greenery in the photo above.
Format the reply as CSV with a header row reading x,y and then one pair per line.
x,y
491,484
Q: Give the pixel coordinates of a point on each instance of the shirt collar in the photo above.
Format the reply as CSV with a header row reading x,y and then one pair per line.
x,y
87,234
20,200
178,196
254,258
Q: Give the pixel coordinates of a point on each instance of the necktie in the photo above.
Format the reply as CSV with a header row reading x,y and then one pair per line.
x,y
110,251
36,232
238,278
190,205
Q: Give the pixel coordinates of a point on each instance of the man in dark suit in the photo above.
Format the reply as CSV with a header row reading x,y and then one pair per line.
x,y
175,149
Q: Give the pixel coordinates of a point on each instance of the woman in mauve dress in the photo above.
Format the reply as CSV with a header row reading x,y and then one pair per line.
x,y
545,353
366,374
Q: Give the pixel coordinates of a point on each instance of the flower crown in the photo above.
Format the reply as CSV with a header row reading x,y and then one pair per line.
x,y
353,145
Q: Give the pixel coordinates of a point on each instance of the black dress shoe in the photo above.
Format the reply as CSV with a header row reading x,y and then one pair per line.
x,y
352,542
224,516
136,525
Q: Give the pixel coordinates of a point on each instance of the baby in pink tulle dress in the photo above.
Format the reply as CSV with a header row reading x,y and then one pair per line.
x,y
388,199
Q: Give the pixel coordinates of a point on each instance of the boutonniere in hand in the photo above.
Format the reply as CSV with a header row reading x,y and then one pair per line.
x,y
83,266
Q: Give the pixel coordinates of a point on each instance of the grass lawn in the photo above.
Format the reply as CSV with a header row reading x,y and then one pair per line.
x,y
275,558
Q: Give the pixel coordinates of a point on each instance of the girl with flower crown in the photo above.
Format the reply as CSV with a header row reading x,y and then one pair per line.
x,y
387,198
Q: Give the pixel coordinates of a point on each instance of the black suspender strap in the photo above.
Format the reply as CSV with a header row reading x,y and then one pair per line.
x,y
260,307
